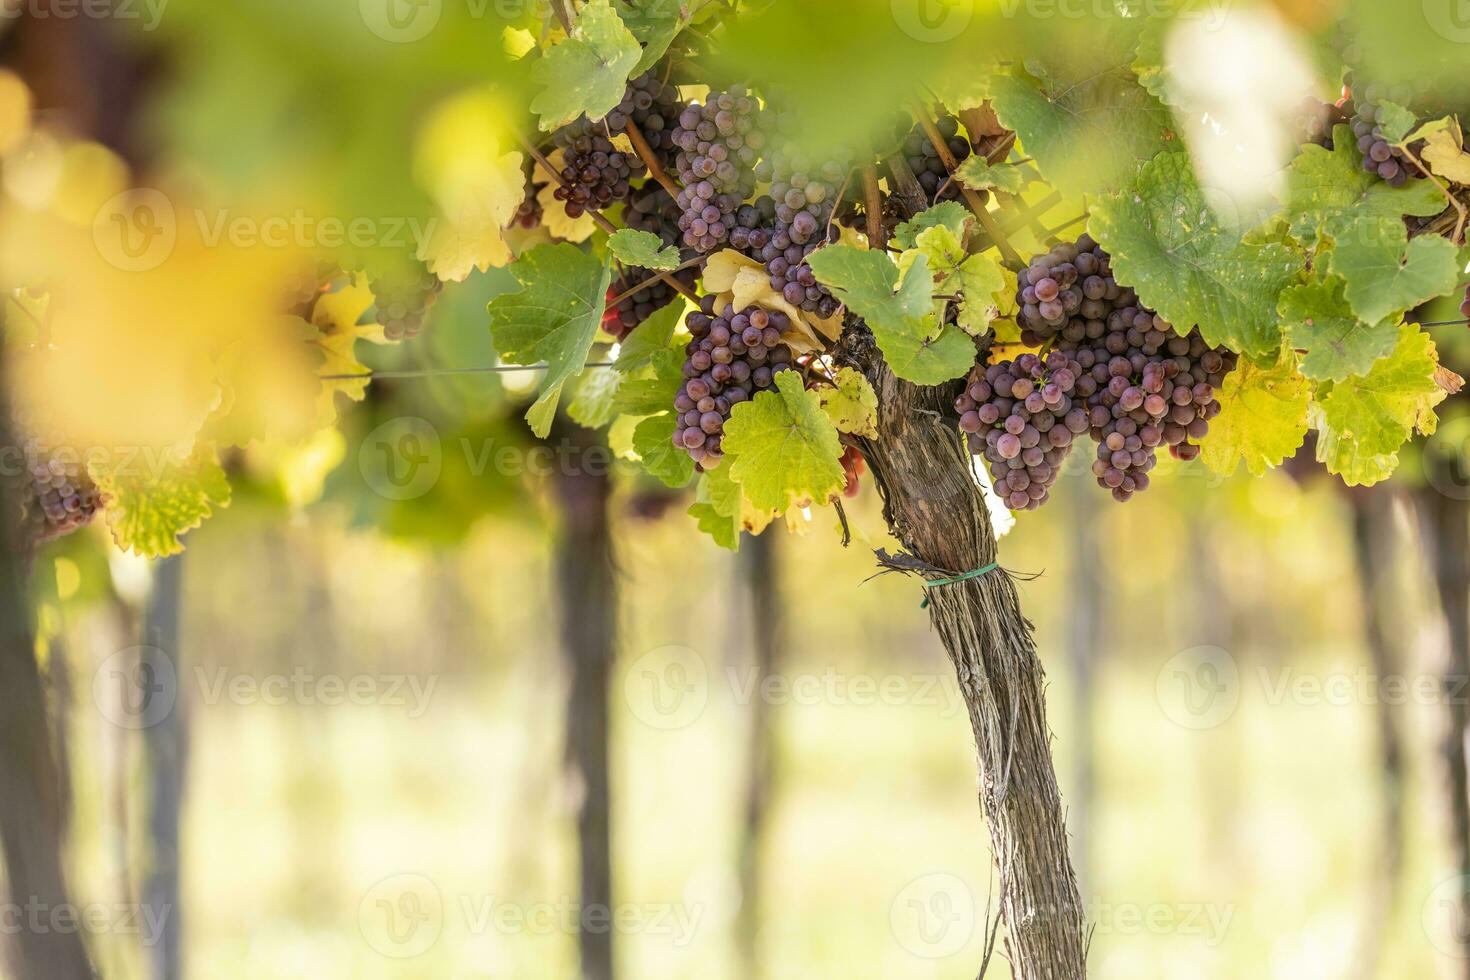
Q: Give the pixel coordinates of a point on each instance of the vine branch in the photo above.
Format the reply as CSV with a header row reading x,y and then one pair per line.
x,y
597,216
987,220
645,153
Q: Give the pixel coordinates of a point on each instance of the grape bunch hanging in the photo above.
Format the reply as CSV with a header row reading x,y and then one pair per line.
x,y
1122,373
733,355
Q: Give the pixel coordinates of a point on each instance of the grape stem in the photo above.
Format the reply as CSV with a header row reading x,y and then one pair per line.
x,y
987,220
645,153
640,287
1459,236
597,216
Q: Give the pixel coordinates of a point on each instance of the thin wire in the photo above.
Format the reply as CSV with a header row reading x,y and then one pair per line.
x,y
1445,323
438,372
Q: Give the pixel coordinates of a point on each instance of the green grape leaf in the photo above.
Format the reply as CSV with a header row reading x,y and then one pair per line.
x,y
653,441
1362,423
554,318
718,507
653,389
1089,134
851,403
1386,272
901,317
1394,121
977,173
1326,188
152,501
587,73
782,448
949,214
655,23
649,337
642,249
1148,59
1263,417
1168,244
595,403
1337,345
978,278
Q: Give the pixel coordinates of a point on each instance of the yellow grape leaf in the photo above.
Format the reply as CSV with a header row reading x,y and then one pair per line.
x,y
152,499
554,217
851,404
144,303
269,387
1263,417
743,282
1444,153
338,317
459,158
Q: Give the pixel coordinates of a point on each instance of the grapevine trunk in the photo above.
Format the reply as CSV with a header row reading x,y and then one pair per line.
x,y
934,506
585,576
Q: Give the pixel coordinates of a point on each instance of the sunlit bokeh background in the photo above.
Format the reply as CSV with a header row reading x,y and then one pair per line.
x,y
375,690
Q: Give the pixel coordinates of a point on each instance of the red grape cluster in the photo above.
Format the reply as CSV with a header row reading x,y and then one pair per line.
x,y
1379,155
733,355
1022,415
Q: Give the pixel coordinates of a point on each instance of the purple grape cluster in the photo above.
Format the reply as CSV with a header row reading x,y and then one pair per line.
x,y
654,210
1022,416
924,160
803,195
620,320
733,355
1144,384
405,294
54,493
1315,120
595,173
1379,155
654,107
719,144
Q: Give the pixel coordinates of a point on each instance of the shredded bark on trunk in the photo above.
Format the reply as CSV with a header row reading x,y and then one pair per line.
x,y
933,505
588,590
